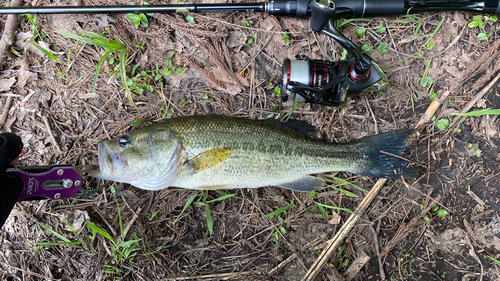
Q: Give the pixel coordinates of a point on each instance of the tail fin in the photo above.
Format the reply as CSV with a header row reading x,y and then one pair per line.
x,y
379,151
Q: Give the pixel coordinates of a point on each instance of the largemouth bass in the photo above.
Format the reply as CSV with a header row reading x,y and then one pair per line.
x,y
216,152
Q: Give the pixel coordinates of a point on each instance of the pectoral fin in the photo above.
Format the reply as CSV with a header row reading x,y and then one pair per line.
x,y
305,184
208,159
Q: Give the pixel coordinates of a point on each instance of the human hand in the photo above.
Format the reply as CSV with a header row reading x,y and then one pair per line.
x,y
11,186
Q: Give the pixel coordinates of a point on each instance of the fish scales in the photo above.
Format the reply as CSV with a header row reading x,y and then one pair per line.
x,y
215,152
263,153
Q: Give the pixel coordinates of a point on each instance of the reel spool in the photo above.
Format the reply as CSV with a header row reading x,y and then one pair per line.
x,y
325,82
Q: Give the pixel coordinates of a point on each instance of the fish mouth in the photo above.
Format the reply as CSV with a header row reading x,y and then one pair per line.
x,y
110,162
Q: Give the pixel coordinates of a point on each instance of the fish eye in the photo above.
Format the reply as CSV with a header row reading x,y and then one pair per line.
x,y
124,141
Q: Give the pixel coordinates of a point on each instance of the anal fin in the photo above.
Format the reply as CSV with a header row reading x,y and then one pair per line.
x,y
305,184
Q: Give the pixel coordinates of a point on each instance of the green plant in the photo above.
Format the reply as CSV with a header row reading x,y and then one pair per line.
x,y
286,116
442,213
487,111
140,121
110,47
433,95
426,81
190,19
36,34
166,113
246,23
344,182
381,28
478,151
367,48
494,260
428,44
279,211
382,48
202,201
360,31
334,207
140,18
442,124
344,54
285,38
477,21
250,40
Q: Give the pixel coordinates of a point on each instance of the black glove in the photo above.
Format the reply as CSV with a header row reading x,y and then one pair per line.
x,y
11,186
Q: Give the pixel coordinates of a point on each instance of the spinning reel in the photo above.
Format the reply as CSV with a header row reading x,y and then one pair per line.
x,y
325,82
313,81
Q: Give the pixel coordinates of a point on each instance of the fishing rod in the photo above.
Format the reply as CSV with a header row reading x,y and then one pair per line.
x,y
314,81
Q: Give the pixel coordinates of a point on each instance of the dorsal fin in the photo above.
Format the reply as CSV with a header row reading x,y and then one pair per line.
x,y
302,127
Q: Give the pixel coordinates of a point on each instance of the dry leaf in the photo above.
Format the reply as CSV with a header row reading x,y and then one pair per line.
x,y
335,219
5,84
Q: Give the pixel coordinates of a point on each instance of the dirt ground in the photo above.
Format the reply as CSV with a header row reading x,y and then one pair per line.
x,y
230,64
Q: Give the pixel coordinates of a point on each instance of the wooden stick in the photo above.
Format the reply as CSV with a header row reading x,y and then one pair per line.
x,y
7,40
431,110
353,219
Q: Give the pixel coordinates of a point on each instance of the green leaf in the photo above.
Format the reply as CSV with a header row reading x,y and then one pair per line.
x,y
95,229
46,52
442,124
478,151
435,207
144,20
221,198
53,232
481,24
188,203
135,18
348,182
360,31
433,95
488,111
367,48
346,192
493,18
343,55
494,260
382,48
324,214
190,19
140,121
477,17
210,222
381,28
469,145
279,211
473,24
426,81
483,36
442,213
427,218
205,96
335,208
430,46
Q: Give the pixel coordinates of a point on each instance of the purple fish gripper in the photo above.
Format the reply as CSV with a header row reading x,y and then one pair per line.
x,y
48,182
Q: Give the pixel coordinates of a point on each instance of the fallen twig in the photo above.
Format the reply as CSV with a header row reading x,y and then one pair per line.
x,y
49,130
7,40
